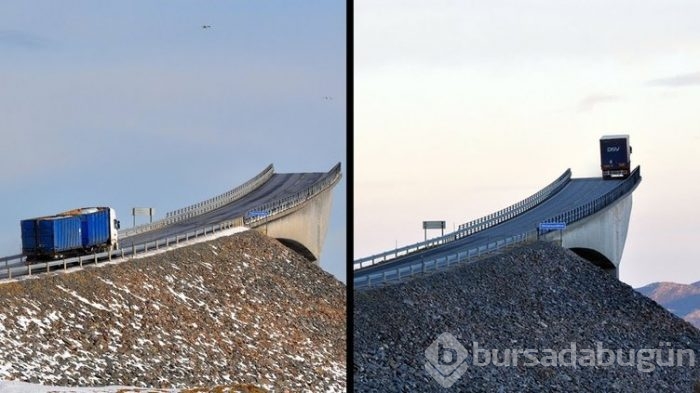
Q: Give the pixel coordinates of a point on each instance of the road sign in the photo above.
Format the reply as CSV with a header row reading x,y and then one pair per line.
x,y
143,211
258,213
433,224
550,226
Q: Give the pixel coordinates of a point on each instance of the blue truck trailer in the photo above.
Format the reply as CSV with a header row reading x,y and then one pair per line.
x,y
70,233
95,227
615,151
48,236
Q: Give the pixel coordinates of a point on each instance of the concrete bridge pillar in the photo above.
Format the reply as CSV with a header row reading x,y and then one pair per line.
x,y
302,228
600,238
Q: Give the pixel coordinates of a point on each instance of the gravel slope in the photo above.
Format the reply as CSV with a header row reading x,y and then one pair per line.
x,y
242,309
538,297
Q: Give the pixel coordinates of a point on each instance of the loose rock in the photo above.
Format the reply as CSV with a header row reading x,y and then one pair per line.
x,y
537,299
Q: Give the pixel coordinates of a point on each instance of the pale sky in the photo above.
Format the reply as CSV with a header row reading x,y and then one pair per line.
x,y
462,108
132,104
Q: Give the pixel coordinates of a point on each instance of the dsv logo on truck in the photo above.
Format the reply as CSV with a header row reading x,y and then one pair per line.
x,y
613,149
448,360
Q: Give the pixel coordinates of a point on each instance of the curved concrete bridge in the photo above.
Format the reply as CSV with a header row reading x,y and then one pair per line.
x,y
300,221
292,207
596,213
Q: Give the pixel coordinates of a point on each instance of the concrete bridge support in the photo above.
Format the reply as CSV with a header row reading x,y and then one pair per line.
x,y
600,238
302,228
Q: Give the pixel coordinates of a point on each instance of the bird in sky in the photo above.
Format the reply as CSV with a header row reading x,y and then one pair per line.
x,y
206,26
327,97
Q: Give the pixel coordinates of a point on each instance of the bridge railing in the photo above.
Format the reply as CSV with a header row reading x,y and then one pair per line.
x,y
471,227
21,268
436,264
205,206
601,202
275,207
514,210
6,260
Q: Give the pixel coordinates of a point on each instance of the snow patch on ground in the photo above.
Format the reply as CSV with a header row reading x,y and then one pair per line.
x,y
25,387
82,299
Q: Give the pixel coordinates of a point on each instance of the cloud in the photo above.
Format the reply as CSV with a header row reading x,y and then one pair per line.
x,y
591,101
677,81
21,39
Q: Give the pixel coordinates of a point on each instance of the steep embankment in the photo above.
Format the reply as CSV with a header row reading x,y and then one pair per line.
x,y
681,299
239,309
552,312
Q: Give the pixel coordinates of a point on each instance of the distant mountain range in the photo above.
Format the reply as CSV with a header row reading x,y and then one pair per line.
x,y
680,299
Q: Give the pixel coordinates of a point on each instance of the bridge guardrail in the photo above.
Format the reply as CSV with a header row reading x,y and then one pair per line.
x,y
515,209
205,206
275,207
471,255
11,258
601,202
440,263
473,226
130,251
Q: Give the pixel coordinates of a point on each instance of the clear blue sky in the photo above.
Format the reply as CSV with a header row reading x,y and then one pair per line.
x,y
465,107
132,103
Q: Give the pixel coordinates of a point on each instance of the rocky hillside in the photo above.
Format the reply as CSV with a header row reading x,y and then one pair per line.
x,y
237,310
537,318
681,299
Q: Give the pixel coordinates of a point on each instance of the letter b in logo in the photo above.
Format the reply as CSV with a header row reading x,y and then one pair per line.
x,y
446,356
446,360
